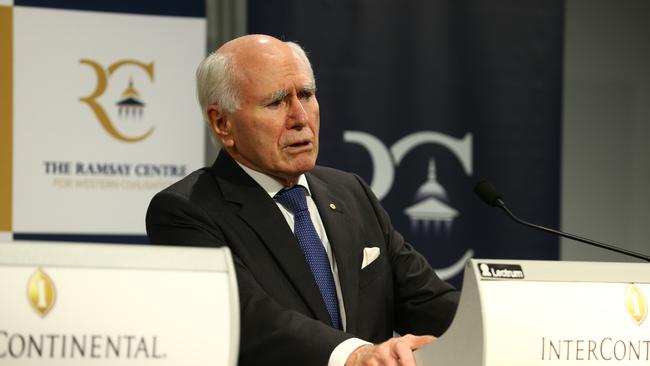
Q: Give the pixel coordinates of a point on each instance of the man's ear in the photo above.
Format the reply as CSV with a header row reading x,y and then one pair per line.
x,y
221,125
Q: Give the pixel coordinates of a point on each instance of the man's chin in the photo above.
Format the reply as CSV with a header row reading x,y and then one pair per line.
x,y
304,168
301,166
302,163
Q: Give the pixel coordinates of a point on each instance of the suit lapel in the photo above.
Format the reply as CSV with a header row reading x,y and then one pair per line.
x,y
343,239
261,213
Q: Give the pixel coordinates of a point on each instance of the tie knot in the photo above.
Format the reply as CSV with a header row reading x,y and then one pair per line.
x,y
294,199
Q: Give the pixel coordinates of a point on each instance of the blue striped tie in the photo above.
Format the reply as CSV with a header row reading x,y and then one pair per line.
x,y
294,199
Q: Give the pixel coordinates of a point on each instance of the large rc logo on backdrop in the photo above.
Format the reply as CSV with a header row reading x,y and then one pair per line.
x,y
129,106
431,211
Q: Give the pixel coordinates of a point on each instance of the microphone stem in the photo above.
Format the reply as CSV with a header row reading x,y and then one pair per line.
x,y
501,204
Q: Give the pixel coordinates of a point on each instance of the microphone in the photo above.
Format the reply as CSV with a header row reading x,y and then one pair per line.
x,y
489,195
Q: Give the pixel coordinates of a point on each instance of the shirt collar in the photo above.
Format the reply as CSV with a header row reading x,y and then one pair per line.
x,y
270,185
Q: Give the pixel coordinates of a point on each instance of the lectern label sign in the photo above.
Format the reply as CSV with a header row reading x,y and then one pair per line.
x,y
82,316
495,270
580,322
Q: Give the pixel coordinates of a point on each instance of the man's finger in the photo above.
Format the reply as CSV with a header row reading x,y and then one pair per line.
x,y
416,342
403,352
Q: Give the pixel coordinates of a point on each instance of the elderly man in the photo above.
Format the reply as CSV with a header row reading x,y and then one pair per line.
x,y
324,278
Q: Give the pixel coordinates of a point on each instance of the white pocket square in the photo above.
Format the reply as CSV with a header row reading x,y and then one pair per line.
x,y
369,256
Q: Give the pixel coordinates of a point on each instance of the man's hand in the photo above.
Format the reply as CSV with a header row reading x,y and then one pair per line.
x,y
393,352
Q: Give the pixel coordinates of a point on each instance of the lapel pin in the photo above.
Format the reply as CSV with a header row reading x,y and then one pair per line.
x,y
332,206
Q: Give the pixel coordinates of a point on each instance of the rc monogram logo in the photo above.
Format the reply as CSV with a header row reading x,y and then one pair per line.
x,y
41,292
431,212
129,106
635,303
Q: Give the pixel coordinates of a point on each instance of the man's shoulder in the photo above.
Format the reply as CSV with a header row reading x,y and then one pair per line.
x,y
337,179
332,174
197,182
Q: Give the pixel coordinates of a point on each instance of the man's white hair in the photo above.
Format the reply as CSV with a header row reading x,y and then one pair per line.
x,y
216,81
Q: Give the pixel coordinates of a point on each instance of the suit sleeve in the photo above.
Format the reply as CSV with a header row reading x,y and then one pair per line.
x,y
424,304
270,333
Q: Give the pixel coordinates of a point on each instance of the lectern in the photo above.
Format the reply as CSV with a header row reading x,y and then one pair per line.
x,y
105,304
516,312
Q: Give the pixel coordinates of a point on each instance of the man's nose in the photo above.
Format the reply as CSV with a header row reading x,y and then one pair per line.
x,y
297,115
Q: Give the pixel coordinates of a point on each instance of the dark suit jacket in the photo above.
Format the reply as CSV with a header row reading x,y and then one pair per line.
x,y
283,317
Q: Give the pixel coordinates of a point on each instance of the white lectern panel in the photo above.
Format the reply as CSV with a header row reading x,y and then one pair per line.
x,y
85,304
548,313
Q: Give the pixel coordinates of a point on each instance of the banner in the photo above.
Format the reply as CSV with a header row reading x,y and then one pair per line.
x,y
104,114
425,98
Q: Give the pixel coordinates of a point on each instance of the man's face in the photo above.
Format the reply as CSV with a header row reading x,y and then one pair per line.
x,y
275,130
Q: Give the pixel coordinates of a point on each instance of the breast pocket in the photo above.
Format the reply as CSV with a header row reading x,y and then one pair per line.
x,y
373,271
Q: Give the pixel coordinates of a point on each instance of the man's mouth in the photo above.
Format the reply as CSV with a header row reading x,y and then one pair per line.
x,y
300,146
300,143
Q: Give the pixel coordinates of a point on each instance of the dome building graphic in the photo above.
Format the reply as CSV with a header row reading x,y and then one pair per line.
x,y
131,104
431,209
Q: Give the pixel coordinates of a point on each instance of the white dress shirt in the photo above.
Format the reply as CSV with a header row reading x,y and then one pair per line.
x,y
341,353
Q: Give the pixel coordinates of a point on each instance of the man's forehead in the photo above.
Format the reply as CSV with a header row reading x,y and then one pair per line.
x,y
269,61
256,50
270,77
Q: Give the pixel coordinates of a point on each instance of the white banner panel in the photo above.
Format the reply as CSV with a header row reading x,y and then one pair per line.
x,y
100,100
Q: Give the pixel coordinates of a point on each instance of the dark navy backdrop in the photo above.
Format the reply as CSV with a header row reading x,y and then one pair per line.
x,y
480,77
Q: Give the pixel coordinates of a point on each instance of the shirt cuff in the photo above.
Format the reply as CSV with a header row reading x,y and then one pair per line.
x,y
341,353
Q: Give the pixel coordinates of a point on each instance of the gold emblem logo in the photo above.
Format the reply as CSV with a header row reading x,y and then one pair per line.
x,y
41,292
635,303
102,82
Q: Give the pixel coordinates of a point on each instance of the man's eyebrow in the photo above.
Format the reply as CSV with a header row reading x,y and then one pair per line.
x,y
281,94
311,87
276,95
